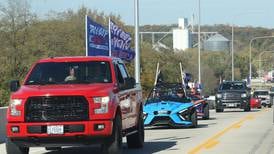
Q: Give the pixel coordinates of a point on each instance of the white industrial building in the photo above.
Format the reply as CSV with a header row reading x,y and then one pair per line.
x,y
182,36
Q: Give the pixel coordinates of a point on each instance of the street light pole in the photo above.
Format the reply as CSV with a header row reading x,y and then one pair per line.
x,y
250,49
232,40
137,50
199,42
232,53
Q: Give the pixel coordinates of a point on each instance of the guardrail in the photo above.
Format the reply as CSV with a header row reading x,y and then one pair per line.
x,y
3,121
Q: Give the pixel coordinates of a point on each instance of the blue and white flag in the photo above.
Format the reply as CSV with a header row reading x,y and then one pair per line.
x,y
100,43
97,39
120,42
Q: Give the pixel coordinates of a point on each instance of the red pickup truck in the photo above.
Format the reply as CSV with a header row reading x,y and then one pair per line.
x,y
72,101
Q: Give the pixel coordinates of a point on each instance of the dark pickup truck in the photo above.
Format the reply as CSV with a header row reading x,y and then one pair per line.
x,y
233,94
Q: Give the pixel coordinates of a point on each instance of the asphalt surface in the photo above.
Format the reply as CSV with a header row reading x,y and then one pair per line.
x,y
233,131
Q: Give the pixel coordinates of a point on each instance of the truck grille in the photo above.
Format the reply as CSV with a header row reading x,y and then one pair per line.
x,y
56,108
232,96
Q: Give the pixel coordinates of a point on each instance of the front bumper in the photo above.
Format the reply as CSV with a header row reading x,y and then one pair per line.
x,y
267,102
242,103
58,141
36,133
174,120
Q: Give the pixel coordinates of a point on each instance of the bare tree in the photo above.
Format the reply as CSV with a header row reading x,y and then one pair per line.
x,y
15,19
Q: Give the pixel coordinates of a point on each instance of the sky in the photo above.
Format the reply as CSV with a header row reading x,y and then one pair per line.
x,y
239,12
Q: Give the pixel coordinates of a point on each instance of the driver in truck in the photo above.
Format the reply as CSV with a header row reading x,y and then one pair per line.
x,y
71,76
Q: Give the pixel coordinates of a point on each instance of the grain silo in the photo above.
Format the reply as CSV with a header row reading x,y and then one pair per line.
x,y
216,43
182,36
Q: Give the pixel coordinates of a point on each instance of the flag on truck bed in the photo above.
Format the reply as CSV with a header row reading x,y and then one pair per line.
x,y
97,39
120,42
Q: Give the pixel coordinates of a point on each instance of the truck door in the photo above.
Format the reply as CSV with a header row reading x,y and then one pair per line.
x,y
124,96
132,98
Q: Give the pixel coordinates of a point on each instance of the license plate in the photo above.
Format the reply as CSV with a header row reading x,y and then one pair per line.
x,y
231,105
57,129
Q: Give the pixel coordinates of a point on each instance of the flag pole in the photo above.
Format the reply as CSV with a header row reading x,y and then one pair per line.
x,y
109,37
86,29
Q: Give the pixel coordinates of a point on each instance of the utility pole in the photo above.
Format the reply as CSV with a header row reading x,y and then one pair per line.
x,y
199,42
137,49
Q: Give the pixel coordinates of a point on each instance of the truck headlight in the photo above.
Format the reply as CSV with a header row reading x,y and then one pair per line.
x,y
243,95
103,101
14,103
219,95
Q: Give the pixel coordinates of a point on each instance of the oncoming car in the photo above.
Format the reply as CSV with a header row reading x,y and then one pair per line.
x,y
165,107
263,95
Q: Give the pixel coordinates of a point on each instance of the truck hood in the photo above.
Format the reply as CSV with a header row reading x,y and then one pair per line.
x,y
26,91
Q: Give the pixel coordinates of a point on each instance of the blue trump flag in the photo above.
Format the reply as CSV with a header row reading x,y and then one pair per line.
x,y
120,42
97,39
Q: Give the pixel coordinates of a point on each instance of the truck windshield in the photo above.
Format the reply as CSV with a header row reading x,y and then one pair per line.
x,y
70,73
232,86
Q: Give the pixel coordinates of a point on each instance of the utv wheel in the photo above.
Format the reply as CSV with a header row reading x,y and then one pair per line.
x,y
114,145
12,148
206,112
194,119
136,140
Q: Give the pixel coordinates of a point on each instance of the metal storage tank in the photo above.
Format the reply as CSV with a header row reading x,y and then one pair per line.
x,y
217,43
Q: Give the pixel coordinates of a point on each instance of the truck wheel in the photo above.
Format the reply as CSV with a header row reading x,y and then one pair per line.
x,y
114,145
206,112
247,109
136,140
194,119
219,110
12,148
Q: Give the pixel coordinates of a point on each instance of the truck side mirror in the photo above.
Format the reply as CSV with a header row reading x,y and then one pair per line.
x,y
14,85
130,83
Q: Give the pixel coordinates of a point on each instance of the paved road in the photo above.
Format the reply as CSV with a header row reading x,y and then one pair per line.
x,y
230,132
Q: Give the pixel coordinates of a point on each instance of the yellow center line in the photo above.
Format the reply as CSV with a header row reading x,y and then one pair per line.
x,y
213,141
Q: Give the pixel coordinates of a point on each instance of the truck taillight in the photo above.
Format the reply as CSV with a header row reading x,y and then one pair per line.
x,y
103,107
14,104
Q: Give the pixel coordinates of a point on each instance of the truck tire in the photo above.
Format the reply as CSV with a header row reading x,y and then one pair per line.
x,y
219,110
114,144
136,140
247,108
12,148
194,119
206,112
